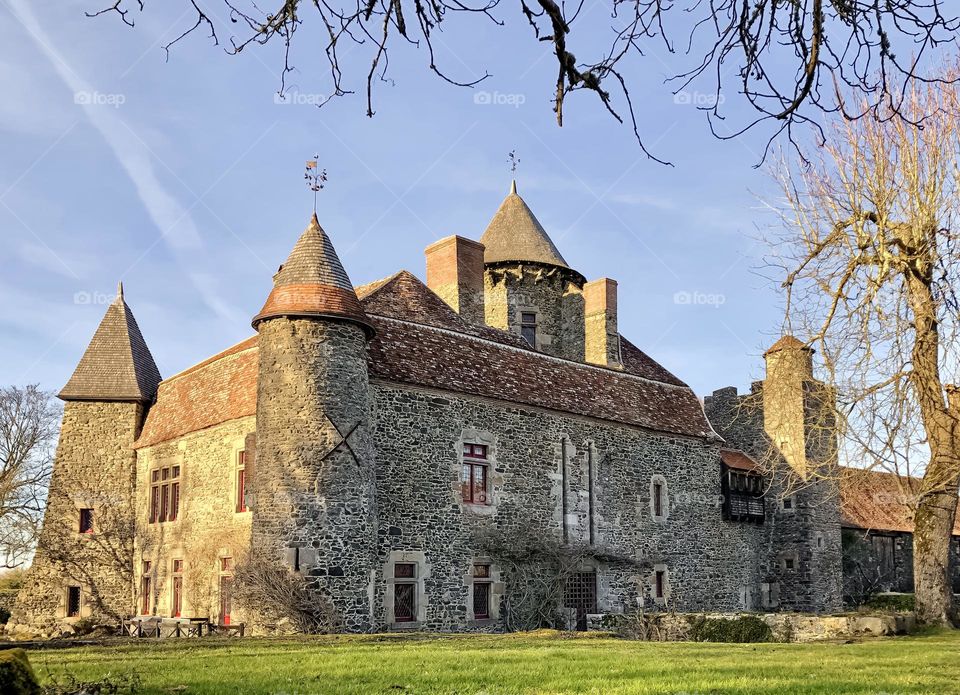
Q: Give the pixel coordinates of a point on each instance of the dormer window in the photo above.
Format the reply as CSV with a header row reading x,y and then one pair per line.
x,y
528,327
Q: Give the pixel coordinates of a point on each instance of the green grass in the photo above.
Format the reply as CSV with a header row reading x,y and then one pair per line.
x,y
532,663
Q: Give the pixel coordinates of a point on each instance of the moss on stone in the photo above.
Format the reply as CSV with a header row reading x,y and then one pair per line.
x,y
16,675
746,628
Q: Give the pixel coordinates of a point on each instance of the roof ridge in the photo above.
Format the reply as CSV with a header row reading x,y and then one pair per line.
x,y
234,349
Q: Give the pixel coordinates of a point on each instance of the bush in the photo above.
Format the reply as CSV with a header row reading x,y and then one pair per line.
x,y
892,602
746,628
16,676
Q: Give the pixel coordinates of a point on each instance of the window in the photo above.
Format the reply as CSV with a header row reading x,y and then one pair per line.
x,y
242,481
176,602
146,589
164,494
473,484
404,592
528,327
660,584
580,594
788,563
86,521
226,589
73,602
481,592
787,503
657,499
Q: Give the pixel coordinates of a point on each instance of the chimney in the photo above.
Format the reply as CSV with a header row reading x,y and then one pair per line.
x,y
601,337
455,274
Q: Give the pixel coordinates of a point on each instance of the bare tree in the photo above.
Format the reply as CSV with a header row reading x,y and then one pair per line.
x,y
870,262
28,430
786,58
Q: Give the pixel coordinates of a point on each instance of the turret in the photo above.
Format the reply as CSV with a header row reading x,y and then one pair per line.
x,y
314,502
84,555
530,290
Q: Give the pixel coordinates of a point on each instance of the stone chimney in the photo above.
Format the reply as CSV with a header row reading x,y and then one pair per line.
x,y
455,274
601,339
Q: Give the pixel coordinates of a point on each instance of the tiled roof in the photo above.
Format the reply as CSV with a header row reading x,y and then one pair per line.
x,y
734,458
420,341
117,365
217,390
515,234
313,282
787,342
879,501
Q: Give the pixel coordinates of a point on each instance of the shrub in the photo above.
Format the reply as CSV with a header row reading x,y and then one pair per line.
x,y
16,676
892,602
746,628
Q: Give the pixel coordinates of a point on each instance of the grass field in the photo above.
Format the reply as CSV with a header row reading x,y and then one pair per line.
x,y
532,663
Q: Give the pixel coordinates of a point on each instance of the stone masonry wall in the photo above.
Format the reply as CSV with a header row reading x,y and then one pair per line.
x,y
315,506
94,469
711,564
208,526
552,293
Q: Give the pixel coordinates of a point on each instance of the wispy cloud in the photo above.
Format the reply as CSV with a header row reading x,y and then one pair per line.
x,y
170,217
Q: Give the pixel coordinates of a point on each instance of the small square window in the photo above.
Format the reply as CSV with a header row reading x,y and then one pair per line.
x,y
788,563
226,564
177,566
404,570
788,503
86,521
481,571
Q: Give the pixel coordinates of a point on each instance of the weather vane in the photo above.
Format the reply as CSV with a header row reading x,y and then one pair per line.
x,y
315,177
514,161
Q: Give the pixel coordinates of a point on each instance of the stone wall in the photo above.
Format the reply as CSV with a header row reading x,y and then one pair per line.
x,y
554,294
315,506
599,499
208,526
94,469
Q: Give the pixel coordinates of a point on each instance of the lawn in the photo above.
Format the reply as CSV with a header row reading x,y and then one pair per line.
x,y
532,663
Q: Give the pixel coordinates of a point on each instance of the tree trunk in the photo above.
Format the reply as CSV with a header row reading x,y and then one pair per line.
x,y
933,529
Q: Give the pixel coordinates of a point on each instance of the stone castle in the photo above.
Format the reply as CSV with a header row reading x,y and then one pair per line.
x,y
412,450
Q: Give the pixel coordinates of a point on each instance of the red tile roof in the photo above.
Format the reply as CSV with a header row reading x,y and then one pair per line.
x,y
879,501
738,460
422,342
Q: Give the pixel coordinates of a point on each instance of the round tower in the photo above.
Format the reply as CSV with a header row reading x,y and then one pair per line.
x,y
530,290
314,483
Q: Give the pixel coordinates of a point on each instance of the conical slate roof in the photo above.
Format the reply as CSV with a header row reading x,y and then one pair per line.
x,y
313,283
117,365
515,234
787,342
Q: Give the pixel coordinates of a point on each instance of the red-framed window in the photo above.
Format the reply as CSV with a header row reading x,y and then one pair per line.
x,y
657,498
405,592
176,602
226,590
146,589
660,583
73,601
242,481
86,521
474,483
164,494
481,591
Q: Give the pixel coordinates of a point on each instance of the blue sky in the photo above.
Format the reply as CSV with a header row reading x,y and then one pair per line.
x,y
183,179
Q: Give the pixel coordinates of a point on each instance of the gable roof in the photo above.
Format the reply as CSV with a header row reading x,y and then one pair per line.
x,y
515,234
313,283
738,460
420,341
879,501
117,364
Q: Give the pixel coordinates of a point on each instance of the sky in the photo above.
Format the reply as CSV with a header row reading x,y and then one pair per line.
x,y
183,178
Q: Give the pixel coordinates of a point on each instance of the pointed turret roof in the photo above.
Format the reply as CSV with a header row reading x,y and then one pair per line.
x,y
117,365
515,234
313,283
787,342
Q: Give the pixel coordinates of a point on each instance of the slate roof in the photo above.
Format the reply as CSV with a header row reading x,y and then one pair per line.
x,y
515,234
420,341
879,501
313,283
117,365
787,342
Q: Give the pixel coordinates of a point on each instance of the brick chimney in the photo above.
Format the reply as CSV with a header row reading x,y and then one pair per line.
x,y
601,337
455,273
